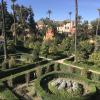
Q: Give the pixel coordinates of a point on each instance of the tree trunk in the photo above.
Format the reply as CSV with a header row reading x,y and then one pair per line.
x,y
4,32
76,15
14,24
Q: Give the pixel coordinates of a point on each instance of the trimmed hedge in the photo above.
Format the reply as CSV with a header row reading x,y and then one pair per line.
x,y
66,68
20,71
43,91
90,75
88,65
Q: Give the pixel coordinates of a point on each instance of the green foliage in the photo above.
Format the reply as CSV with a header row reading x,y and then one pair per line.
x,y
31,41
35,55
95,57
84,72
80,56
37,46
11,46
27,58
57,67
8,18
95,77
29,45
31,58
22,13
67,46
44,49
94,27
85,48
83,30
4,64
98,43
53,47
49,24
32,23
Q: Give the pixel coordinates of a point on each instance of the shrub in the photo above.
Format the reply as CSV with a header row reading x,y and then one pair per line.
x,y
95,57
4,64
27,58
12,62
38,71
44,49
35,55
95,77
84,72
11,46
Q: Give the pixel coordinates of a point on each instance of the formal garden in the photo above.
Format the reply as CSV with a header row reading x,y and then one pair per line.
x,y
52,80
43,63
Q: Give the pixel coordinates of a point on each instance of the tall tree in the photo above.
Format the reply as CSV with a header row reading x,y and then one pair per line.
x,y
32,24
4,31
8,19
76,24
79,19
96,45
22,15
49,13
70,13
14,17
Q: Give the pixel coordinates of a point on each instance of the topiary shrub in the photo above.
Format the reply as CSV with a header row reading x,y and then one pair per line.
x,y
38,71
12,62
27,58
35,55
5,64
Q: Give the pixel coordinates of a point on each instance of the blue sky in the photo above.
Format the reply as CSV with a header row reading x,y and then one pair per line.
x,y
60,8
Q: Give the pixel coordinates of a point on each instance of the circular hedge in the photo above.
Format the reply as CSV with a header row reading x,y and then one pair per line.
x,y
44,92
66,86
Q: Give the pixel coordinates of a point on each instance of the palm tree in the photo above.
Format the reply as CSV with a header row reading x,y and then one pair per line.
x,y
4,31
76,24
49,13
79,18
13,7
70,13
